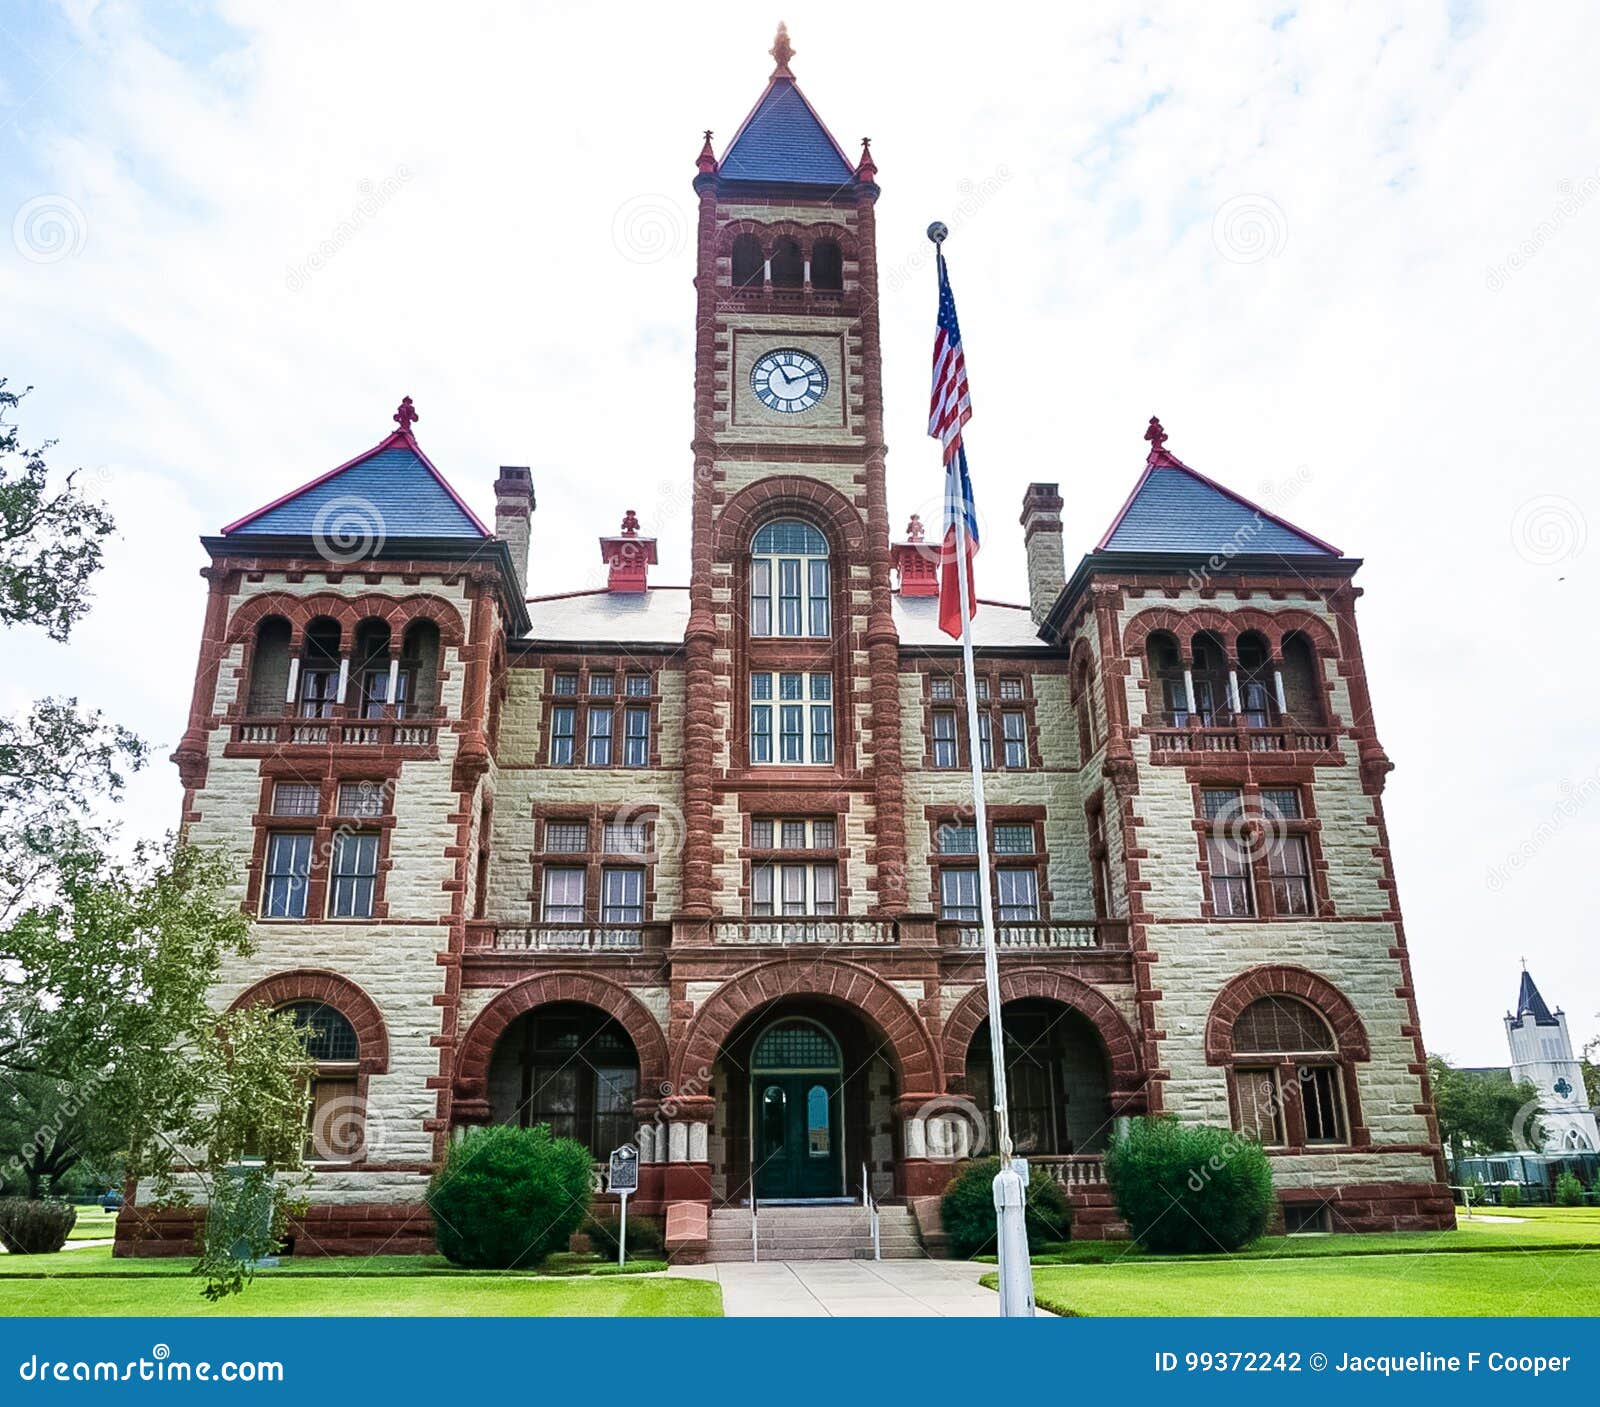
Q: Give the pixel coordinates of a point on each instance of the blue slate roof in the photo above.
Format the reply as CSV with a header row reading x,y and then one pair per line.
x,y
1529,1001
1175,509
406,494
784,140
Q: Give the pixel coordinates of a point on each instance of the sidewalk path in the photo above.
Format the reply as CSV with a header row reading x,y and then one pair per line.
x,y
851,1288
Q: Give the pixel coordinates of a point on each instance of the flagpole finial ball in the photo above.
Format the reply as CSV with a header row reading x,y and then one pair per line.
x,y
938,232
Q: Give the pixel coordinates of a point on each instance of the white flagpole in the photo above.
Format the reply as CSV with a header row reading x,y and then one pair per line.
x,y
1011,1182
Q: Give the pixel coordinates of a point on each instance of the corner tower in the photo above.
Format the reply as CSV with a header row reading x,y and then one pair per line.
x,y
792,654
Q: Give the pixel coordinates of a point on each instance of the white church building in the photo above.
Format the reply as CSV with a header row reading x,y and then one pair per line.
x,y
1541,1053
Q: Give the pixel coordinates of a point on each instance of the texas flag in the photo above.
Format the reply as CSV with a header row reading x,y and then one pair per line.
x,y
950,409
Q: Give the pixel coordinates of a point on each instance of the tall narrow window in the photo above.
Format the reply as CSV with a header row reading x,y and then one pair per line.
x,y
944,738
789,562
636,737
1288,863
1014,730
986,741
563,728
288,875
598,751
353,875
1227,853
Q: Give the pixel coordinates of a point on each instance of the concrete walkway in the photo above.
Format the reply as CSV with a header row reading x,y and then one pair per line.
x,y
867,1289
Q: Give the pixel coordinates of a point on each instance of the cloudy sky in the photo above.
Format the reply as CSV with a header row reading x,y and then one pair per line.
x,y
1346,254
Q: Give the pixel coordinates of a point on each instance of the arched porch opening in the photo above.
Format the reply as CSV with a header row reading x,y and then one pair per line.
x,y
1058,1079
804,1091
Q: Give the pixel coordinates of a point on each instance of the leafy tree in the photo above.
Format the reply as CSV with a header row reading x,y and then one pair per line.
x,y
108,1044
1478,1109
50,537
1190,1187
1591,1072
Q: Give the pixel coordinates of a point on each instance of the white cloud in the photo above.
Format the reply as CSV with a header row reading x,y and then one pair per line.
x,y
1096,149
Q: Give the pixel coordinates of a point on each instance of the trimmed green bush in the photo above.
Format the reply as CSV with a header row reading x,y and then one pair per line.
x,y
1569,1191
35,1228
507,1197
969,1216
1510,1195
1190,1187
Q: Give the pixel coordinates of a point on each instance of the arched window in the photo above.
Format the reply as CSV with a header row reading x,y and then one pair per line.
x,y
1209,670
570,1066
1289,1086
789,588
336,1127
1257,706
1301,695
1084,702
372,668
748,262
788,265
827,266
269,667
1056,1078
1169,694
419,657
319,669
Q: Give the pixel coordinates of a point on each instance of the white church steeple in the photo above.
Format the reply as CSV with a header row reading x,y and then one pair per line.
x,y
1541,1053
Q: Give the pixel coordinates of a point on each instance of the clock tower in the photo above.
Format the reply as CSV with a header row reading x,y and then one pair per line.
x,y
792,693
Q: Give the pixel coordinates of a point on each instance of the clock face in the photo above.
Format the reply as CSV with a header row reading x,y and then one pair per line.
x,y
788,380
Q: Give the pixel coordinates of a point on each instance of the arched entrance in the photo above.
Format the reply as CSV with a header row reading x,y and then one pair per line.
x,y
796,1112
571,1066
1056,1078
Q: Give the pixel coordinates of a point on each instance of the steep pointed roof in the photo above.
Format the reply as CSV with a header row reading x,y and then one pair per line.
x,y
1529,1002
783,140
1174,508
392,488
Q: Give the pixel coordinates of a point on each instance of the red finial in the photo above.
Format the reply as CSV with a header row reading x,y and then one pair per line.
x,y
708,158
915,532
782,50
866,168
406,416
1156,435
630,524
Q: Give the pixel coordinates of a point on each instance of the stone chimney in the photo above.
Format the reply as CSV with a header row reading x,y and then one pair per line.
x,y
629,556
1041,534
513,516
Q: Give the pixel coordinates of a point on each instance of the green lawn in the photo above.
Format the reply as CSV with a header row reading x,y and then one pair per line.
x,y
371,1295
1535,1282
93,1224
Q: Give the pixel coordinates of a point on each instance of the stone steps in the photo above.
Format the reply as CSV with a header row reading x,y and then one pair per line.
x,y
812,1233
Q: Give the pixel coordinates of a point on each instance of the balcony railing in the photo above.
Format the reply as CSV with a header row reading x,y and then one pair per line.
x,y
342,732
1284,738
1097,934
559,937
802,931
1073,1169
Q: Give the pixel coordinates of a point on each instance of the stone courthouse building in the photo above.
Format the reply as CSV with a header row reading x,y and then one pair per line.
x,y
693,867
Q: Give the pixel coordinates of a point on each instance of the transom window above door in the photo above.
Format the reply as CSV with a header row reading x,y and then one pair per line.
x,y
789,581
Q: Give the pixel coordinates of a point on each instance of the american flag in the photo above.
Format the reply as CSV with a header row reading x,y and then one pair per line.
x,y
951,408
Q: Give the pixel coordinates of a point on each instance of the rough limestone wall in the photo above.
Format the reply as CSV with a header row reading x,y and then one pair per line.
x,y
523,779
1352,951
393,961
